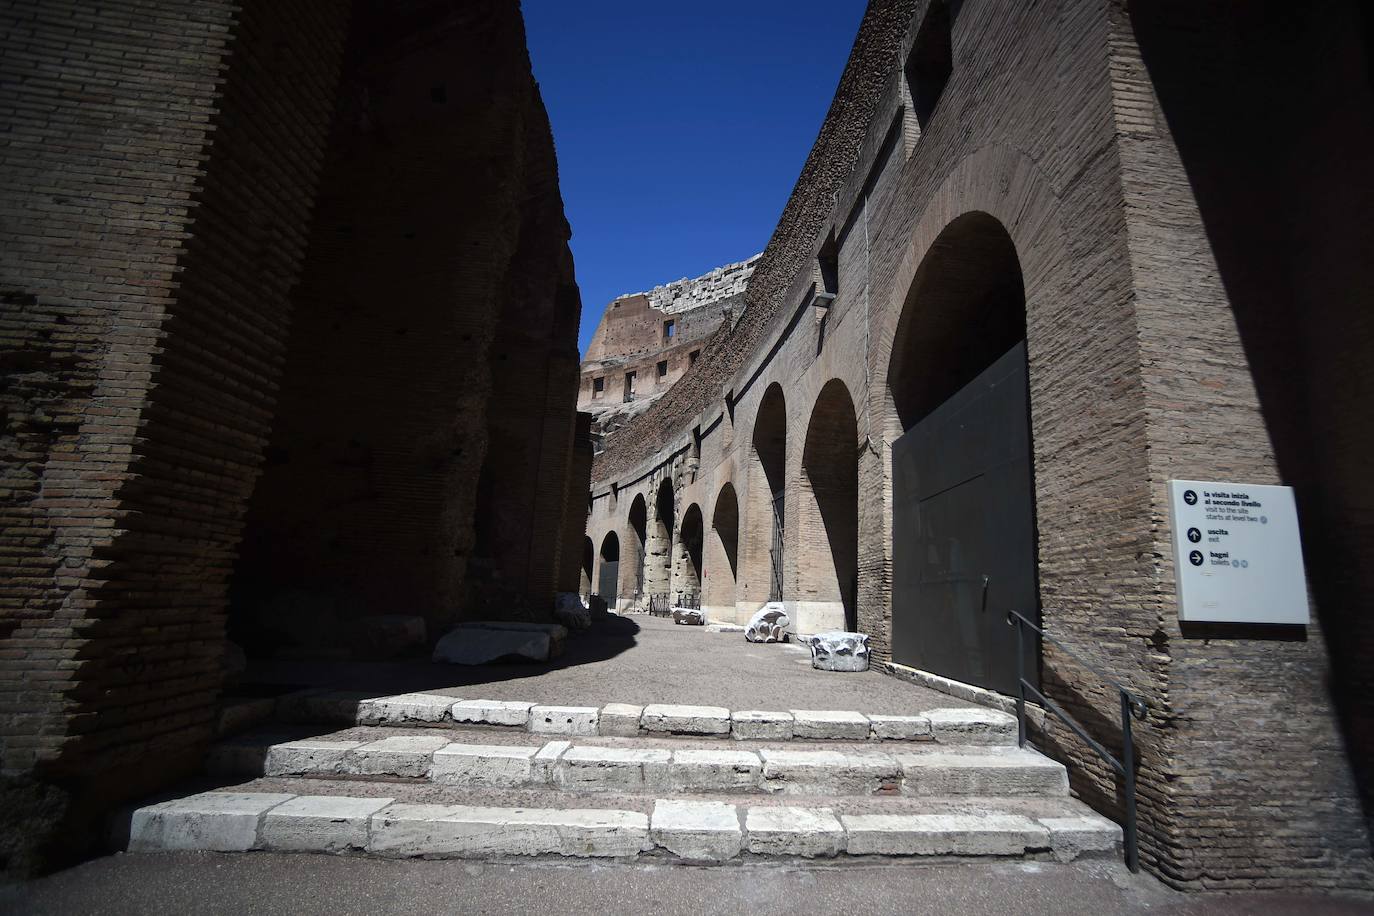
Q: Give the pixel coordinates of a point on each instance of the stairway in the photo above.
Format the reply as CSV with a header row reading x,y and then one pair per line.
x,y
434,777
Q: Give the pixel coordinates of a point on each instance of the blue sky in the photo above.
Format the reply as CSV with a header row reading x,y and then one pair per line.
x,y
680,127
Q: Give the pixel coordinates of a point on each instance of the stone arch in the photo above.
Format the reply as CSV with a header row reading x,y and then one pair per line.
x,y
963,525
762,573
687,556
658,548
722,557
828,513
584,585
631,587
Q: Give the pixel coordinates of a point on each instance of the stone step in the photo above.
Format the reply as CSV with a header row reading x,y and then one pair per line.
x,y
689,829
953,725
658,767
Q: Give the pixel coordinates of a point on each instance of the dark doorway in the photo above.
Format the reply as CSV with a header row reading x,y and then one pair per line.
x,y
770,448
608,580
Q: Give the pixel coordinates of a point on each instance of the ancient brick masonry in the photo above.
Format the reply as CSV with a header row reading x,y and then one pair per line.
x,y
224,223
1083,177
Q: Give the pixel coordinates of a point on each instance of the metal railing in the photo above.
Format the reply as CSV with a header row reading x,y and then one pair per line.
x,y
1131,706
690,600
659,605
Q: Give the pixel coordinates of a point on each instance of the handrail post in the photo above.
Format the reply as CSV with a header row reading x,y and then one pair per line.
x,y
1128,766
1020,684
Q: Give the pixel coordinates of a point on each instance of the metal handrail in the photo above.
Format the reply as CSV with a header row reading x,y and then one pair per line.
x,y
1131,705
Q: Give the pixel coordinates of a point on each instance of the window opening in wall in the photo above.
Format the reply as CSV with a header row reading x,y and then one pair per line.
x,y
931,60
692,357
669,329
629,386
598,387
828,268
662,368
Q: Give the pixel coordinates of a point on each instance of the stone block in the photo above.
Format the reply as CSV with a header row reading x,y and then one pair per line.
x,y
405,709
484,766
996,771
839,651
612,769
829,773
324,707
620,720
687,616
466,646
830,723
459,831
972,725
761,725
403,755
386,635
786,831
311,755
665,718
697,830
1071,837
898,728
942,834
212,821
492,712
242,756
546,761
564,720
320,823
697,770
769,624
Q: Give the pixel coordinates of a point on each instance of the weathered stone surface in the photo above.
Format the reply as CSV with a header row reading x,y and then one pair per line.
x,y
785,831
830,723
334,707
1071,837
898,728
769,624
484,765
942,834
697,830
746,724
687,616
402,755
705,770
564,720
311,755
996,771
724,628
386,635
404,709
320,823
972,725
569,610
469,646
492,712
457,831
612,769
620,720
215,821
804,772
685,720
839,651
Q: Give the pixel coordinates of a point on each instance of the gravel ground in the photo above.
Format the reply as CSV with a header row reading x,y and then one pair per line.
x,y
638,660
267,883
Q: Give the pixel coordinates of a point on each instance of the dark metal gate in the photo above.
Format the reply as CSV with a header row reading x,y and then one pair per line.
x,y
775,551
963,532
608,581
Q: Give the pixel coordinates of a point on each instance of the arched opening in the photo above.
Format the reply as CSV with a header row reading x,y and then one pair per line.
x,y
828,566
963,517
687,558
658,557
763,573
584,586
608,575
722,557
631,588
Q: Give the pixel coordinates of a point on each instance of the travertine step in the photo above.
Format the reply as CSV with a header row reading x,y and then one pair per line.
x,y
693,829
647,766
955,725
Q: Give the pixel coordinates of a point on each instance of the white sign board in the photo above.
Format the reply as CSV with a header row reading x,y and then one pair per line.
x,y
1237,553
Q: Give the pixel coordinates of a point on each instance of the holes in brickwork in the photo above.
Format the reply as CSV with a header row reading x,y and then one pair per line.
x,y
669,330
662,368
693,357
931,60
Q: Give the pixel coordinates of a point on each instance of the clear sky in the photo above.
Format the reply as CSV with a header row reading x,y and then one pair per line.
x,y
680,126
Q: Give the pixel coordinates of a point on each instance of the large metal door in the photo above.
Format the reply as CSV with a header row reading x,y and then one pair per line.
x,y
963,532
608,581
775,551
